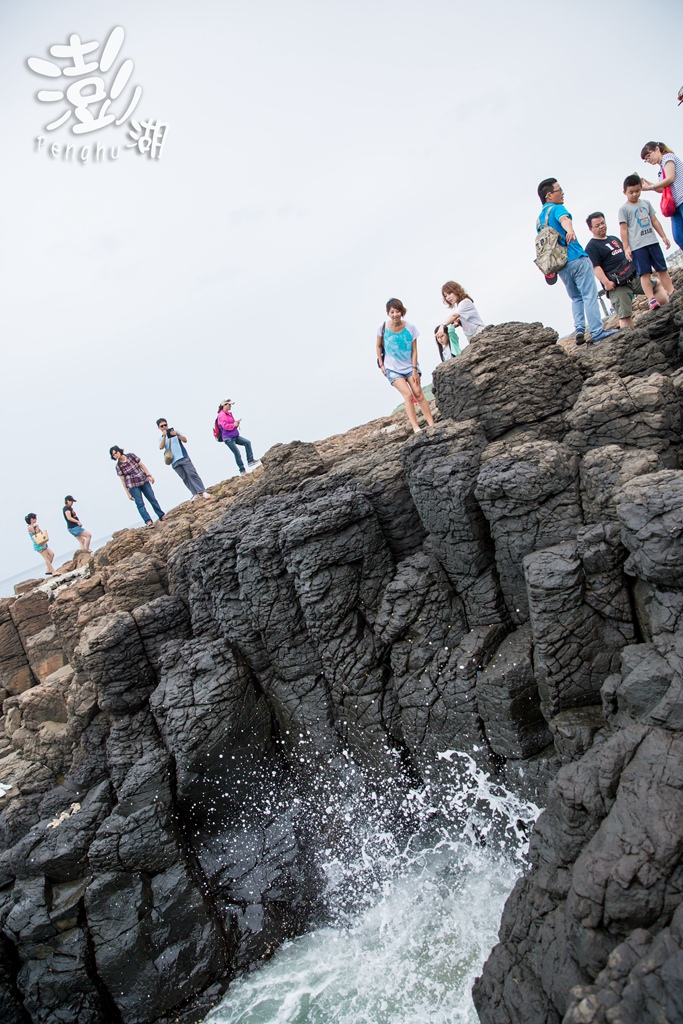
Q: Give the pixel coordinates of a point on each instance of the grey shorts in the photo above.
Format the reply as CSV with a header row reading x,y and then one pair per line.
x,y
622,297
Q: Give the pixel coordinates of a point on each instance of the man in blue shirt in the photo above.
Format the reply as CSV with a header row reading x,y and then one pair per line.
x,y
577,273
175,442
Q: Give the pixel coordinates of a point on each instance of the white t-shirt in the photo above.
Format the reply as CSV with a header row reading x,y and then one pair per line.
x,y
398,347
470,321
677,184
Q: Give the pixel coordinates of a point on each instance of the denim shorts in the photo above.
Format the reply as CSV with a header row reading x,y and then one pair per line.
x,y
648,258
75,531
392,375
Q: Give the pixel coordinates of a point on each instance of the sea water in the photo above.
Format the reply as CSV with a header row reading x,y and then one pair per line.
x,y
413,913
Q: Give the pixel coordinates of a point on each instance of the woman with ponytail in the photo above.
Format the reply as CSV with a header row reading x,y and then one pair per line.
x,y
670,176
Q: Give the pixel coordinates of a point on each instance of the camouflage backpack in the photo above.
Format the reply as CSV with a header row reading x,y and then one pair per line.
x,y
551,252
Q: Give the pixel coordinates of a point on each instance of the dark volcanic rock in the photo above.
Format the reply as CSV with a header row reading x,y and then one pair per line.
x,y
511,374
650,510
194,722
634,412
530,495
442,466
508,699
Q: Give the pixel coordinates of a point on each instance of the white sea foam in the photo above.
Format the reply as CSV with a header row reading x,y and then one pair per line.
x,y
413,918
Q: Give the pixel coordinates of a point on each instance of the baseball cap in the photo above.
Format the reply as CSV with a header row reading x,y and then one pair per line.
x,y
227,401
69,497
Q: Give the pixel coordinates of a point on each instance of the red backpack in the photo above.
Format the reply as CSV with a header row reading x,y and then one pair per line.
x,y
217,432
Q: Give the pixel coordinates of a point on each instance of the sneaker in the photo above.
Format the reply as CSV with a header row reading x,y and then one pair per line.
x,y
194,497
580,338
205,494
243,472
603,334
654,304
254,462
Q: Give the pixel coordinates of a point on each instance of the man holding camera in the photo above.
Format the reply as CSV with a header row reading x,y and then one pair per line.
x,y
173,444
616,274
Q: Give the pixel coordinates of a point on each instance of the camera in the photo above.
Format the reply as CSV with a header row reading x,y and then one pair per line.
x,y
170,431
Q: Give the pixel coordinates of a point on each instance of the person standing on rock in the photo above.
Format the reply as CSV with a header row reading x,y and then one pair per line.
x,y
137,482
397,359
463,311
671,177
228,427
39,539
173,442
74,525
616,274
639,227
577,273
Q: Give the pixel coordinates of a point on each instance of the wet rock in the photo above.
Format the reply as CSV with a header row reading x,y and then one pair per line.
x,y
56,984
574,731
154,943
59,847
211,718
508,699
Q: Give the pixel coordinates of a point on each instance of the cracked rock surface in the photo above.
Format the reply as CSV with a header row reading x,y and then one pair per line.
x,y
508,583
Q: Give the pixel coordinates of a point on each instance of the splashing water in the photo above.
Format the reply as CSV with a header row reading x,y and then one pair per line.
x,y
414,918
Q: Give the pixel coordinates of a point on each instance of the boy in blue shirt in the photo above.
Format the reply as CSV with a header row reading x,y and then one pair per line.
x,y
577,273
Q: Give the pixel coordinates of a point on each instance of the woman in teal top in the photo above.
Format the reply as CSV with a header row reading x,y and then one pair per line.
x,y
397,359
31,521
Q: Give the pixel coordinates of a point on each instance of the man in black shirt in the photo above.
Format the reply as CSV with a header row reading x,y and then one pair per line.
x,y
616,274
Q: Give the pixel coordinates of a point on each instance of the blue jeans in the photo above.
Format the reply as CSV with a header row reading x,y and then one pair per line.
x,y
137,493
677,227
232,443
579,280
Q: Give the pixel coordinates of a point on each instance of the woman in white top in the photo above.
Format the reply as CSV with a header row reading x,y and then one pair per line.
x,y
671,174
463,310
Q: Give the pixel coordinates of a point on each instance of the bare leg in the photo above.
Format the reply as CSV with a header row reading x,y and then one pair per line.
x,y
626,321
665,281
401,384
84,540
48,556
416,389
646,282
660,294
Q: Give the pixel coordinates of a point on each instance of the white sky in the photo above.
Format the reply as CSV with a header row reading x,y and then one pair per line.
x,y
320,158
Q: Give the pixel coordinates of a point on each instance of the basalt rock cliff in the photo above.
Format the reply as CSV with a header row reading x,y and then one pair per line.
x,y
508,583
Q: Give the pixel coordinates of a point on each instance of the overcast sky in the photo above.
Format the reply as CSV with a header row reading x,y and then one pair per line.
x,y
320,157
